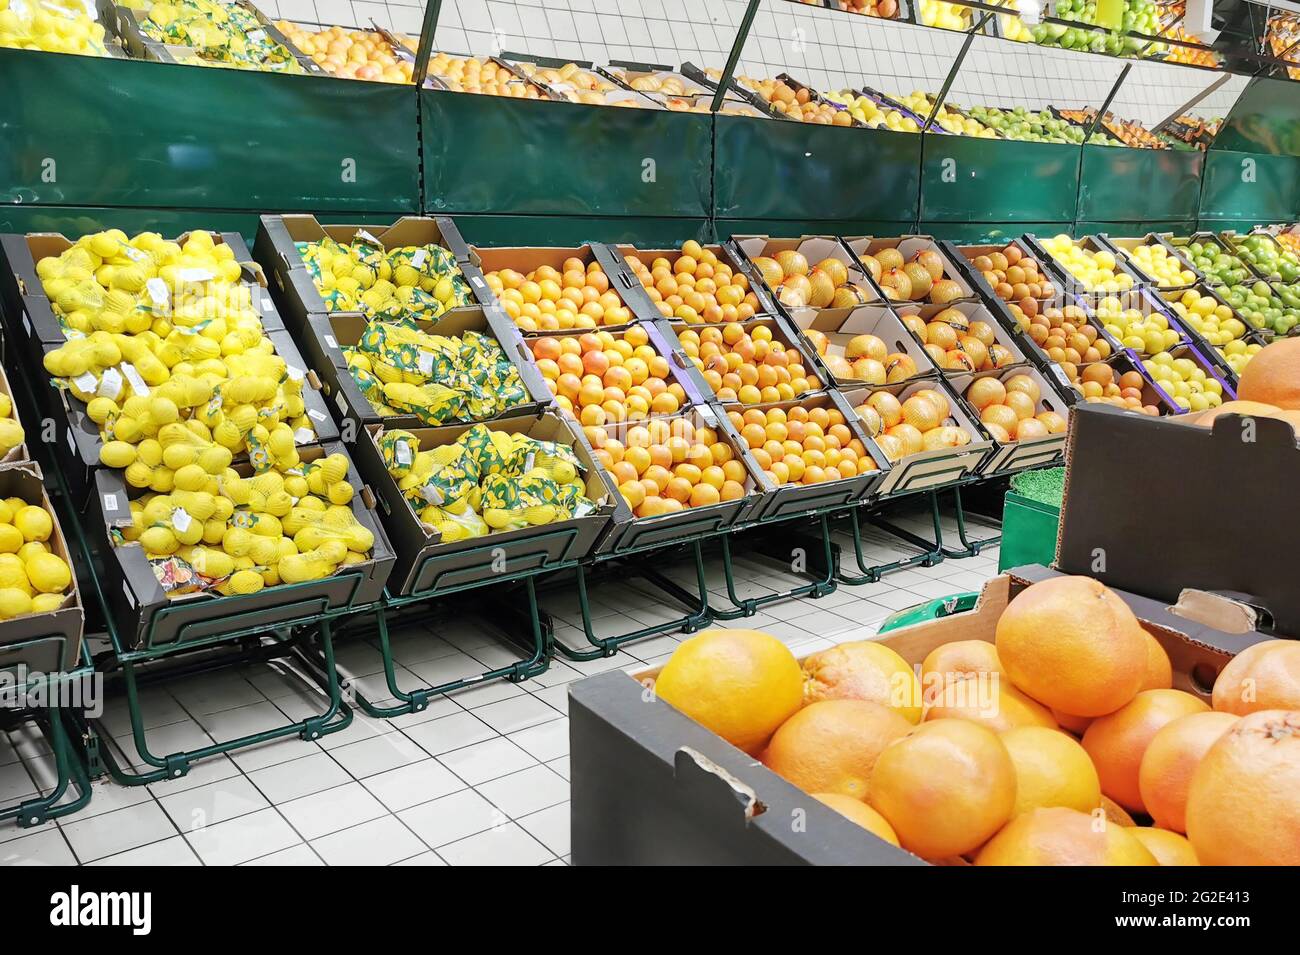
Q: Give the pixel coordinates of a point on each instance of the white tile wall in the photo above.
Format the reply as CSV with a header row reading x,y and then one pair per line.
x,y
827,49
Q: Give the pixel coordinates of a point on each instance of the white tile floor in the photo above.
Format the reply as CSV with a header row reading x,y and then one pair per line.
x,y
479,778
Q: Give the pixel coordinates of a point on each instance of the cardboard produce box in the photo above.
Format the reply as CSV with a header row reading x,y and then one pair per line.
x,y
973,312
650,786
1028,453
725,252
329,334
146,618
910,246
1235,549
77,442
275,247
426,565
33,319
45,642
814,248
930,469
20,452
837,327
525,259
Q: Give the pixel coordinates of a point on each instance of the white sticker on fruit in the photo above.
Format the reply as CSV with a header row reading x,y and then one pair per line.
x,y
133,376
424,362
331,341
158,292
315,415
418,257
133,253
195,275
110,503
294,373
86,383
181,519
304,436
110,384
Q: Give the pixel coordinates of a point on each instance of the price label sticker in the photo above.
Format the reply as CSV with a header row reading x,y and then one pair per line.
x,y
158,292
86,383
477,281
110,503
133,376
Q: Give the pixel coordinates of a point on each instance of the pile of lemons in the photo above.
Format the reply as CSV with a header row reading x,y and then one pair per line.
x,y
218,530
55,26
11,432
32,579
165,348
1166,270
1096,271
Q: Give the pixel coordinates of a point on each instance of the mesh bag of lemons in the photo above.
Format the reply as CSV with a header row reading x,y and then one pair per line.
x,y
216,530
486,481
55,26
418,282
167,352
402,369
32,578
220,33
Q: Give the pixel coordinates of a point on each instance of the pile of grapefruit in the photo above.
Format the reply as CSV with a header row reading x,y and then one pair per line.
x,y
1060,742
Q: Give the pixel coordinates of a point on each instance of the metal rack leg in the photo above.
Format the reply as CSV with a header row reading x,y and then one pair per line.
x,y
34,812
819,587
699,613
970,548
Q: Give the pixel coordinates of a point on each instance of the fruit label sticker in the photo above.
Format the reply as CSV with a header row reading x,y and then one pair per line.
x,y
402,449
294,373
86,382
133,253
303,436
158,293
181,519
424,362
110,384
1061,376
133,376
110,503
417,259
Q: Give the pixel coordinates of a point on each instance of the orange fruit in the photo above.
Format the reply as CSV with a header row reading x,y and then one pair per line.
x,y
1169,848
1073,645
993,703
958,660
1060,836
1243,805
1264,676
1274,380
861,813
946,787
832,746
863,670
1118,741
1160,672
1114,813
741,684
1052,769
1077,725
1169,761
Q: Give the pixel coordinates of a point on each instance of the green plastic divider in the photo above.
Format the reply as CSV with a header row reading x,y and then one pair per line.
x,y
1250,186
1131,228
725,228
965,179
573,231
501,155
81,130
1117,183
775,169
979,233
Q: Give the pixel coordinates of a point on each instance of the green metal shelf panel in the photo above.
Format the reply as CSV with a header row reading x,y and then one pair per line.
x,y
1250,186
1122,184
1265,120
651,233
966,179
82,131
775,169
983,233
493,154
726,228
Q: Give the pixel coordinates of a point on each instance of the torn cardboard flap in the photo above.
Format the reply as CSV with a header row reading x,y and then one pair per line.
x,y
690,761
1220,611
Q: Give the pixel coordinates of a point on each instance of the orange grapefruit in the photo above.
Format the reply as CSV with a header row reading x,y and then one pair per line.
x,y
861,813
946,787
1243,805
1273,375
1169,848
1117,742
1052,769
999,706
1073,645
1265,676
1060,836
864,670
1169,761
741,684
831,746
